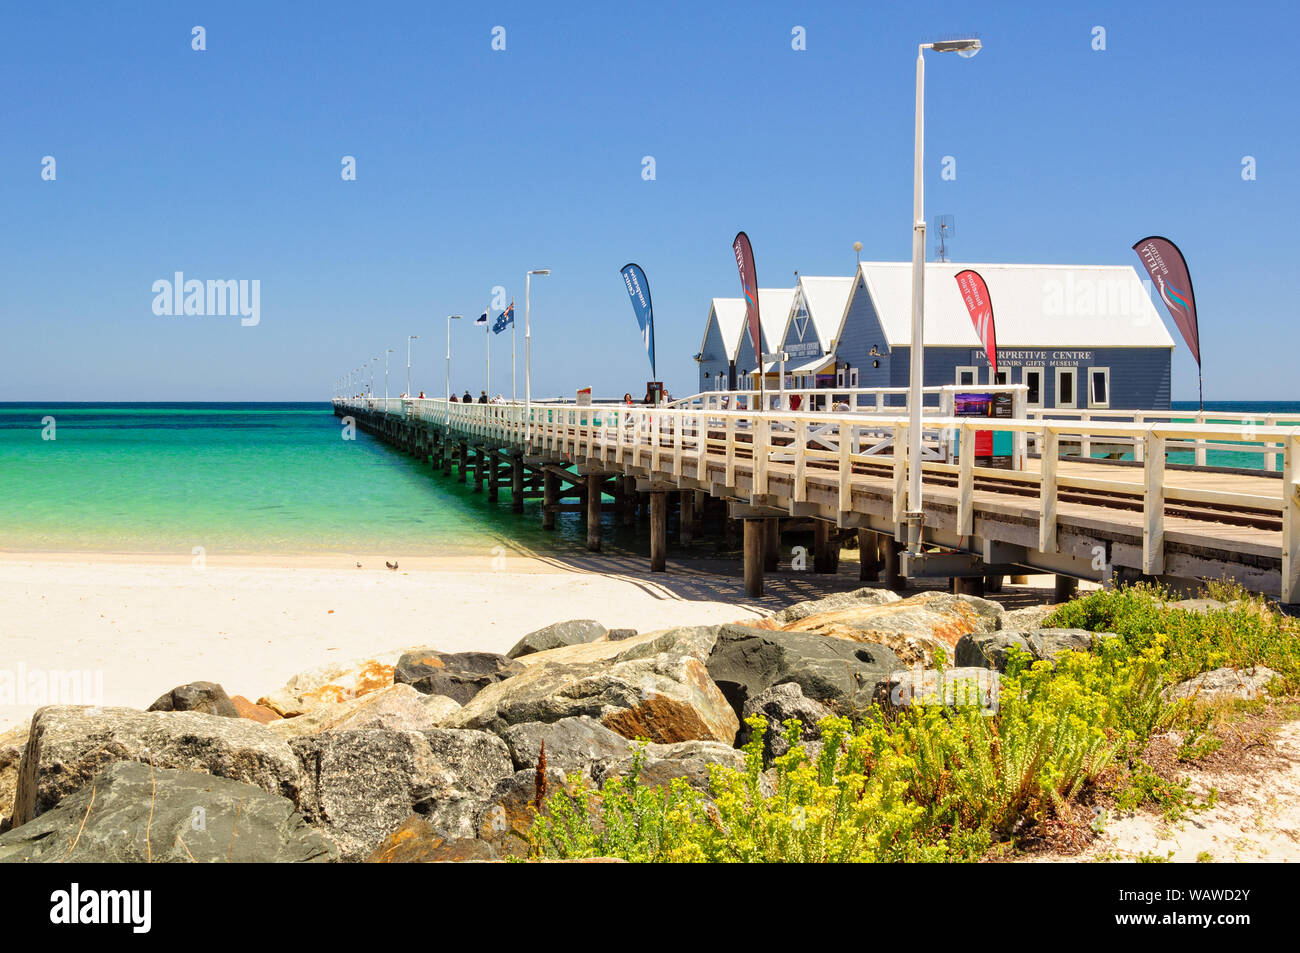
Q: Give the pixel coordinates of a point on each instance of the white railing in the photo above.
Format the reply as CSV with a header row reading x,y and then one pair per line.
x,y
875,400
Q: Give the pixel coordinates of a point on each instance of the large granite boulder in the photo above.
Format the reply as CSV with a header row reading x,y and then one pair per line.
x,y
12,743
688,760
1047,644
579,745
779,704
457,675
857,599
558,635
69,745
914,629
206,697
134,813
328,684
664,698
1225,683
839,673
362,784
964,687
416,841
506,817
990,650
1030,617
397,708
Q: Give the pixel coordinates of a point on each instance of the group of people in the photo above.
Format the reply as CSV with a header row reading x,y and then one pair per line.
x,y
483,398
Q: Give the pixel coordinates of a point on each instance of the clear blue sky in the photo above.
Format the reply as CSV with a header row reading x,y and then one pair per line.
x,y
474,166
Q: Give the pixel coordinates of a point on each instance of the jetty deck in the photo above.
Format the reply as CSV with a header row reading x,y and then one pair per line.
x,y
1081,518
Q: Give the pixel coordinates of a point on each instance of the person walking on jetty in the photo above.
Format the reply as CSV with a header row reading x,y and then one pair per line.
x,y
467,399
483,397
454,399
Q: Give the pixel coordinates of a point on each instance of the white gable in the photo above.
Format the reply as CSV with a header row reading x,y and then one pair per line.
x,y
774,314
729,314
826,299
1033,305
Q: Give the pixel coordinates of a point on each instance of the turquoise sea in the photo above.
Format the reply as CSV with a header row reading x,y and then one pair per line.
x,y
241,478
270,478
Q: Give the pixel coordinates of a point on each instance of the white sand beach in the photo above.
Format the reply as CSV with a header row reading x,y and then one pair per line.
x,y
145,624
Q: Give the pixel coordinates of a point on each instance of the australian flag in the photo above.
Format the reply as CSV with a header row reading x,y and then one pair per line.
x,y
504,319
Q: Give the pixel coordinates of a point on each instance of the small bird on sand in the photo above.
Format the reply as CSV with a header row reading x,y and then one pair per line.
x,y
390,565
358,565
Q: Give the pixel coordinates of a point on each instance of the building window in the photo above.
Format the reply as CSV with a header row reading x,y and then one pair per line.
x,y
1000,379
1034,387
967,376
853,377
1065,381
1099,387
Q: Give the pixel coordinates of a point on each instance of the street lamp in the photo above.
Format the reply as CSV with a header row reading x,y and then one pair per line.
x,y
409,339
528,350
386,353
966,47
450,318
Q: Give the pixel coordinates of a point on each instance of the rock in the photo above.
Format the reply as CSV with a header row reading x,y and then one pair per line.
x,y
839,673
664,698
1203,606
133,813
990,649
12,744
686,759
778,705
416,842
69,745
574,632
505,819
1047,644
573,745
960,686
914,629
1030,617
857,599
397,708
457,675
328,684
206,697
362,784
693,640
618,635
258,713
1225,683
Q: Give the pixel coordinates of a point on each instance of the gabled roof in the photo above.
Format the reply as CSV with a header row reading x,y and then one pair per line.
x,y
1033,305
774,305
826,300
729,313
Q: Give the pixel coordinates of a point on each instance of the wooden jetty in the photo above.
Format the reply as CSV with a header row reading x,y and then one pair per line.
x,y
1081,518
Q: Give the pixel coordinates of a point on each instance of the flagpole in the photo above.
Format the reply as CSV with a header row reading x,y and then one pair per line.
x,y
514,389
487,349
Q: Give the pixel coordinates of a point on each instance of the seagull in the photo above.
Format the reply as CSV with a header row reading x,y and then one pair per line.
x,y
390,565
358,565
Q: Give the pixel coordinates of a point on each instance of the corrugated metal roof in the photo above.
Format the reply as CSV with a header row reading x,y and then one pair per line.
x,y
1033,305
826,300
729,313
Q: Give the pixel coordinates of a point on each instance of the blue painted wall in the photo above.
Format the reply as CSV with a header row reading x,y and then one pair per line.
x,y
714,358
862,331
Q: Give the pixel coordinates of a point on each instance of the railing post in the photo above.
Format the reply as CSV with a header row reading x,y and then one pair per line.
x,y
1291,519
1139,446
966,483
1200,442
900,481
800,461
678,417
761,436
731,450
1085,439
1153,506
1051,444
701,443
655,450
846,467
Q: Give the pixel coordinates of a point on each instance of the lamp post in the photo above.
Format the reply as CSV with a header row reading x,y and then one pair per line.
x,y
450,318
528,350
409,339
915,392
386,353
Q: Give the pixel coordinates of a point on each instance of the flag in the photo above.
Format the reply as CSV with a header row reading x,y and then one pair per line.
x,y
504,319
749,285
1168,269
638,290
975,293
482,318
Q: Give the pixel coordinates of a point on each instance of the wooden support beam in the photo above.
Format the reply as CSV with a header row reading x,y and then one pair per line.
x,y
550,496
891,550
593,512
494,476
463,469
968,585
516,484
826,550
868,555
754,546
686,521
478,469
628,499
1066,587
772,545
658,531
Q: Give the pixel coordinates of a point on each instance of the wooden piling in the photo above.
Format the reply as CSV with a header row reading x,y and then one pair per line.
x,y
463,468
890,551
1066,588
755,534
550,497
686,524
658,531
516,484
826,548
494,475
772,544
593,512
868,555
